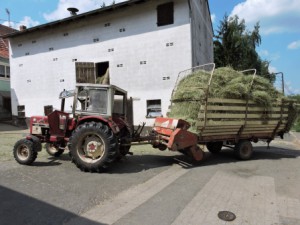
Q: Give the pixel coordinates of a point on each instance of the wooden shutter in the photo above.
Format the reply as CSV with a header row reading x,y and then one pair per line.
x,y
85,72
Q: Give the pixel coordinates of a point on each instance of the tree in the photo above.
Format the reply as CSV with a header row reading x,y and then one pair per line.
x,y
236,47
103,5
296,126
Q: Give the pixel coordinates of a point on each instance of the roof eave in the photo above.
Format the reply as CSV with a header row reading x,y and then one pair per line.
x,y
73,18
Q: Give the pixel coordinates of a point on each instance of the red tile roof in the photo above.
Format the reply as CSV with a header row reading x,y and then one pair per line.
x,y
4,42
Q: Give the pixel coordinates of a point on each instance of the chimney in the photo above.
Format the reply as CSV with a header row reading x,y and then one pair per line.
x,y
73,11
22,28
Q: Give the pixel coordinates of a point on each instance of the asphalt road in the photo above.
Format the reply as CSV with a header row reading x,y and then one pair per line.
x,y
153,187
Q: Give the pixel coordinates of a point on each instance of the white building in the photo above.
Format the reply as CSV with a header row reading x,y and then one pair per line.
x,y
144,43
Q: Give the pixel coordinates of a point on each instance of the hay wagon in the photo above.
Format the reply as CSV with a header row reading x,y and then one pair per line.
x,y
236,123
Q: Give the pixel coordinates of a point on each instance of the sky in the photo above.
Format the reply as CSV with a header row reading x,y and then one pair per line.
x,y
279,25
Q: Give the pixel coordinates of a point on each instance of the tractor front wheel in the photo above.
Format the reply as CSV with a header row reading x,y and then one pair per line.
x,y
25,152
93,146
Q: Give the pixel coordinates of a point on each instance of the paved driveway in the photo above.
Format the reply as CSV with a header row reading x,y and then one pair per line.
x,y
153,187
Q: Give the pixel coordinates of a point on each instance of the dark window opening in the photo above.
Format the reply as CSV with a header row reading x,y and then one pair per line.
x,y
7,104
154,108
21,111
102,73
8,72
165,14
119,103
2,71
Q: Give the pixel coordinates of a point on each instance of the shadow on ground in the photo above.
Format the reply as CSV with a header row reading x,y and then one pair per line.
x,y
138,163
227,156
129,164
17,208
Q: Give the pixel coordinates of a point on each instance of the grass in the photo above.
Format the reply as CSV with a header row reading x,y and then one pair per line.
x,y
296,126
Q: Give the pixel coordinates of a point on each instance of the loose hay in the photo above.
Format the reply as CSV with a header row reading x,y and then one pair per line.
x,y
191,91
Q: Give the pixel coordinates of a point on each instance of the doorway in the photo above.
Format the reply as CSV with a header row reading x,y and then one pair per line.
x,y
102,73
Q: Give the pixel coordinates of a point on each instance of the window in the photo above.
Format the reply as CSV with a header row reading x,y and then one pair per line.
x,y
102,73
21,111
154,108
2,71
119,103
92,100
8,72
165,14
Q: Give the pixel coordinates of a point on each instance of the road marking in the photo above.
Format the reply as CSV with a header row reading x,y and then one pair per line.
x,y
289,207
296,141
252,199
111,211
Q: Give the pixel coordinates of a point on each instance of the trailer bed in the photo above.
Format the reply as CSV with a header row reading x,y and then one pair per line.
x,y
234,119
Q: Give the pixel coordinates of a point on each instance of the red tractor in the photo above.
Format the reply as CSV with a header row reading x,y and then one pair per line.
x,y
97,132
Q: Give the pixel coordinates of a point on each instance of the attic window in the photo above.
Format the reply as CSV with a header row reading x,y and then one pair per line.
x,y
165,14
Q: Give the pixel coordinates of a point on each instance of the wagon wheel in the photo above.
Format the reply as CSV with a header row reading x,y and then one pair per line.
x,y
214,147
243,150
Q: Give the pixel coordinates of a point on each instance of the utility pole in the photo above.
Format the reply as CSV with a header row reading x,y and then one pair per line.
x,y
8,15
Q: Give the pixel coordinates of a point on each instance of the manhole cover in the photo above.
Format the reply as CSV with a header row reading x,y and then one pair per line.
x,y
226,216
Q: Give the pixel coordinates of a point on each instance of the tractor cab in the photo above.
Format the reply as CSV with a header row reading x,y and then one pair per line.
x,y
106,101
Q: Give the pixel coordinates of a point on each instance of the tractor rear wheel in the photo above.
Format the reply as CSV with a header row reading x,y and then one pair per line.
x,y
214,147
243,150
93,146
25,152
53,150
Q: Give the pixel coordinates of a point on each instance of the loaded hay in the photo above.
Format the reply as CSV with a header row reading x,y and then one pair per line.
x,y
191,91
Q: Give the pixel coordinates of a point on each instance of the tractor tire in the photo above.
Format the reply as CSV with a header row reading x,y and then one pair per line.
x,y
53,150
243,150
37,145
214,147
93,146
25,152
124,150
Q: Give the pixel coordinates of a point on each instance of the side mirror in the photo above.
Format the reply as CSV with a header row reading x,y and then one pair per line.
x,y
66,94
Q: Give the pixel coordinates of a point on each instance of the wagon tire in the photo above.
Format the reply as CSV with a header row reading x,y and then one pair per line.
x,y
24,152
93,146
243,150
214,147
52,150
